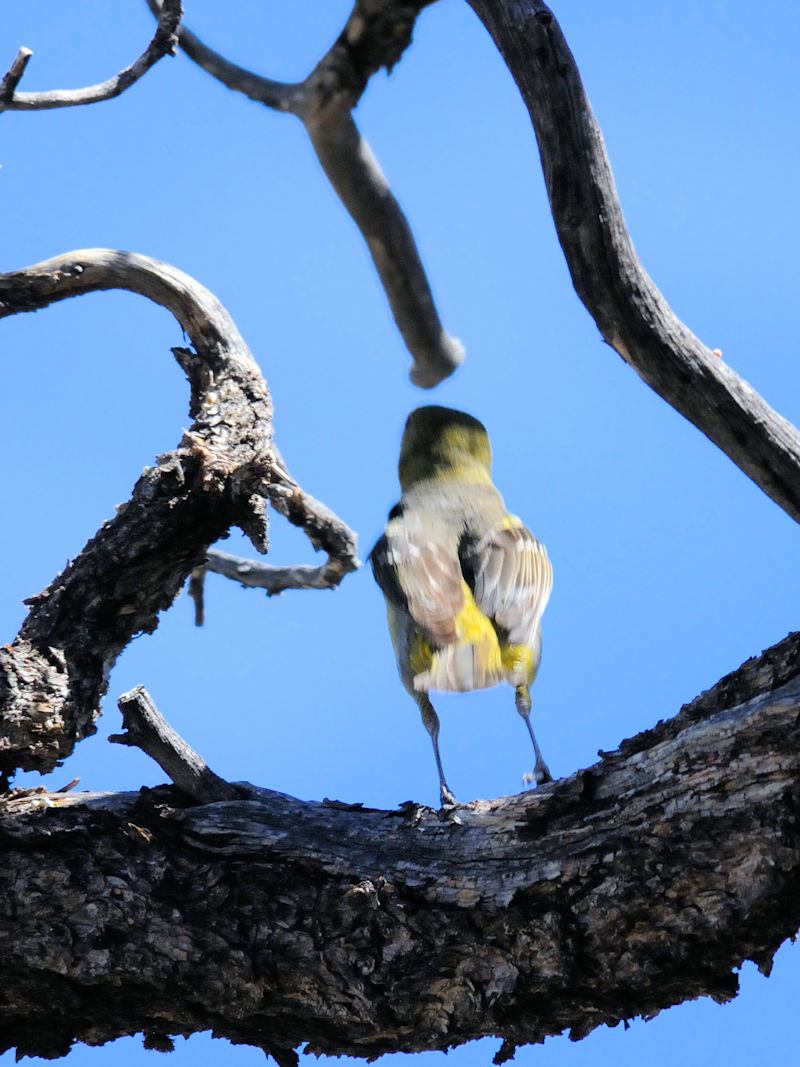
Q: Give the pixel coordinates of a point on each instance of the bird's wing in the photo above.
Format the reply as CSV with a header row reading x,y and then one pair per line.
x,y
419,570
511,578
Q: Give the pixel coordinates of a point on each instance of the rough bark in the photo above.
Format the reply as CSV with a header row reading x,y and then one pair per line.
x,y
628,887
637,883
54,674
630,312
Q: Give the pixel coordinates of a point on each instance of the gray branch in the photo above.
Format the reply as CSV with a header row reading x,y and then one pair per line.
x,y
147,730
14,74
165,41
375,35
630,312
275,580
642,881
53,675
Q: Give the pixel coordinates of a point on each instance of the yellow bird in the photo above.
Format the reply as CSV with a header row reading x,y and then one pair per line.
x,y
465,582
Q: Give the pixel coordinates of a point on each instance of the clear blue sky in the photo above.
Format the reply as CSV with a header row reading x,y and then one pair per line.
x,y
671,567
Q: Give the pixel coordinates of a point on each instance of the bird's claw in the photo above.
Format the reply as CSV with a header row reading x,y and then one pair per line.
x,y
539,776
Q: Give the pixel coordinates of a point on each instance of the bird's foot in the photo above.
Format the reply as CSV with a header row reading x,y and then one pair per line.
x,y
539,776
447,798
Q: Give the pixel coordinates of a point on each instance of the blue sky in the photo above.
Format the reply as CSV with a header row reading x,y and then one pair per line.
x,y
671,567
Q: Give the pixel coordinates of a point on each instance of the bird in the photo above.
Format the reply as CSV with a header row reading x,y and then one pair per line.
x,y
465,581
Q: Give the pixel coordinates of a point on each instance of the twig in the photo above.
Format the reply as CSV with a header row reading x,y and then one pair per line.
x,y
630,312
164,41
257,575
147,729
375,36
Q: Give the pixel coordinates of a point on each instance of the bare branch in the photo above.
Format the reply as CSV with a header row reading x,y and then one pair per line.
x,y
281,96
15,72
165,40
146,729
53,675
375,35
360,184
275,580
629,310
637,883
324,529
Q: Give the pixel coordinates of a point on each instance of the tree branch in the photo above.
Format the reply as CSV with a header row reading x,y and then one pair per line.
x,y
626,888
146,729
165,40
275,580
360,184
54,674
375,36
629,310
12,78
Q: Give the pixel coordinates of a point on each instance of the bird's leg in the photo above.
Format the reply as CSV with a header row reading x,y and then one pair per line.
x,y
431,722
541,772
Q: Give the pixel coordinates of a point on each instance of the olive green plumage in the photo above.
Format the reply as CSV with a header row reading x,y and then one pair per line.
x,y
465,582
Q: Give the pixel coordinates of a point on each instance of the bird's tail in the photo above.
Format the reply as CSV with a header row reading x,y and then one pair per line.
x,y
474,661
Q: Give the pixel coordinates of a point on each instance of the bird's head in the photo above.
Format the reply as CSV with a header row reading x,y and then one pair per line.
x,y
441,444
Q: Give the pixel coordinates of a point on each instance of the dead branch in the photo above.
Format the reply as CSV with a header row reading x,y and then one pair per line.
x,y
274,580
325,530
146,729
165,41
630,312
54,674
640,882
375,36
12,78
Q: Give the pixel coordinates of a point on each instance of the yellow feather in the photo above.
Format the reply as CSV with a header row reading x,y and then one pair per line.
x,y
473,662
518,662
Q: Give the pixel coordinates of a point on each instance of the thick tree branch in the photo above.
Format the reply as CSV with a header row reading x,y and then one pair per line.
x,y
630,312
375,35
165,41
628,887
54,674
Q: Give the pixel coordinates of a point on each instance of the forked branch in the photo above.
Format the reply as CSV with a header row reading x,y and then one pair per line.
x,y
375,35
165,41
54,674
